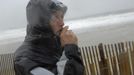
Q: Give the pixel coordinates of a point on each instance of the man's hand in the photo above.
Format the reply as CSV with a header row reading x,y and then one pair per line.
x,y
68,37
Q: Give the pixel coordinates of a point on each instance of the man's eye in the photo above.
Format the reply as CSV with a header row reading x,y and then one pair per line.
x,y
57,16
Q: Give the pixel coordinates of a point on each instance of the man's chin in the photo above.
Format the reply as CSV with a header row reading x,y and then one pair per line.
x,y
59,32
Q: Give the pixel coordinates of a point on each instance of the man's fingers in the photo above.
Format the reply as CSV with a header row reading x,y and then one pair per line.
x,y
65,29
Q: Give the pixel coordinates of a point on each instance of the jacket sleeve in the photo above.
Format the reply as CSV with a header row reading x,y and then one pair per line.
x,y
70,62
23,66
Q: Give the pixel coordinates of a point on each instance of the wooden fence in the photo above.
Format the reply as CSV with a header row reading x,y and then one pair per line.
x,y
102,59
6,64
109,59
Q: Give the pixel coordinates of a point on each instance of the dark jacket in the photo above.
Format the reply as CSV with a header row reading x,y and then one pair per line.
x,y
41,46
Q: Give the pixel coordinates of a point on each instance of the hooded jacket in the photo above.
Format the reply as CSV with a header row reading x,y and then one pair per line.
x,y
41,46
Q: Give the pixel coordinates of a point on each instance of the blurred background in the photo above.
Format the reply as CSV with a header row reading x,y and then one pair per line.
x,y
92,20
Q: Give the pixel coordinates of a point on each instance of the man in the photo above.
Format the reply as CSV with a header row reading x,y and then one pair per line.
x,y
48,48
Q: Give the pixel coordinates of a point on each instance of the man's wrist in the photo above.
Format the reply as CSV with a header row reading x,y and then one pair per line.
x,y
71,49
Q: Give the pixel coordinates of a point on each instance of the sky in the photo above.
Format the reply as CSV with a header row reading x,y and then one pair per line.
x,y
13,14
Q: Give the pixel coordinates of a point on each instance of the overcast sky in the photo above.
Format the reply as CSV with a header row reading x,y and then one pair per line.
x,y
12,12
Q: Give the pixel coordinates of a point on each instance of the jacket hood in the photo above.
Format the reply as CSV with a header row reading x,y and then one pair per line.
x,y
39,14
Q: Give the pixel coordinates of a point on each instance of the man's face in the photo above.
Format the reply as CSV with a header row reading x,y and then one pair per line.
x,y
57,22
